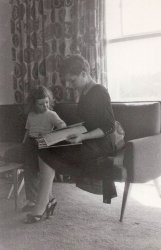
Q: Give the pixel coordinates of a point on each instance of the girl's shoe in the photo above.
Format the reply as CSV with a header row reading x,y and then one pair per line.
x,y
30,218
50,207
28,207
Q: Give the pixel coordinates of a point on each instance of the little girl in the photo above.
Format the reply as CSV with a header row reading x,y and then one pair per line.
x,y
40,121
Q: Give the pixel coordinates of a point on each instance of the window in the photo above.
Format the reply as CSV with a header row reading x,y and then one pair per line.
x,y
134,49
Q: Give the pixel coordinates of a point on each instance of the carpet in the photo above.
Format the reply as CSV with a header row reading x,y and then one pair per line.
x,y
82,222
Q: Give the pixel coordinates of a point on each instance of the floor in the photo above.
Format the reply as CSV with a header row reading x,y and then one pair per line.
x,y
82,222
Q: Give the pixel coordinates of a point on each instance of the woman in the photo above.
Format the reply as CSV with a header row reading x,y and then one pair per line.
x,y
94,109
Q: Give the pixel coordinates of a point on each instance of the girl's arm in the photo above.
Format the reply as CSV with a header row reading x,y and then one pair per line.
x,y
25,136
61,124
57,122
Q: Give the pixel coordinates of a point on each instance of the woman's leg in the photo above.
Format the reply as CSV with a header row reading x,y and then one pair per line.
x,y
47,175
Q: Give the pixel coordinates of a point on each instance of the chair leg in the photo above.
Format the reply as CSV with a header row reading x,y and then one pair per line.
x,y
21,186
124,200
15,183
19,176
10,192
156,184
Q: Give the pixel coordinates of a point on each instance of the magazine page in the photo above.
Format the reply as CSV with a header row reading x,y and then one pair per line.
x,y
60,135
59,144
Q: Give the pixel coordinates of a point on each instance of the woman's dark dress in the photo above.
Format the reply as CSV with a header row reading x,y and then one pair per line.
x,y
89,159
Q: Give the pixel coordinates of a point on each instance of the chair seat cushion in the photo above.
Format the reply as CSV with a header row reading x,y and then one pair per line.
x,y
11,152
8,159
4,146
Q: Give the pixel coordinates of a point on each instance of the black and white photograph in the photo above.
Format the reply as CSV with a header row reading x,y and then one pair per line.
x,y
80,124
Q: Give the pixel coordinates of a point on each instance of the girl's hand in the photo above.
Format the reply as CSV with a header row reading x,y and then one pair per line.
x,y
75,138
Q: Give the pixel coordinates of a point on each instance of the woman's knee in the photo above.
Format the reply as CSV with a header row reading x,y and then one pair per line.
x,y
45,168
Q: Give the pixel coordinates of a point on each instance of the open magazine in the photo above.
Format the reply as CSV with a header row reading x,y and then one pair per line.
x,y
58,137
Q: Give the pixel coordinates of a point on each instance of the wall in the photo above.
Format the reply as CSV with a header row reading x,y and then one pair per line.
x,y
6,66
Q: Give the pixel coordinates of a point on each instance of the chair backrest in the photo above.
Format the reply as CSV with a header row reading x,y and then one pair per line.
x,y
139,119
12,123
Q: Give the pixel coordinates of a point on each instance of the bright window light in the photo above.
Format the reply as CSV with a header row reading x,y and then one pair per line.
x,y
134,49
144,194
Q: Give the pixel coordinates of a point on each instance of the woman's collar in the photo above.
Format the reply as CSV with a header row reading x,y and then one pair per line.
x,y
87,87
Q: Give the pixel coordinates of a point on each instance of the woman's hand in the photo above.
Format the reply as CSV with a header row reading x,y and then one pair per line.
x,y
94,134
75,138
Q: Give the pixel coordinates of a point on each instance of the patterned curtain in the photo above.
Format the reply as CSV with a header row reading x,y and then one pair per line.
x,y
44,31
91,36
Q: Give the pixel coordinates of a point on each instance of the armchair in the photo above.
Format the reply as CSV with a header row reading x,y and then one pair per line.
x,y
141,157
139,161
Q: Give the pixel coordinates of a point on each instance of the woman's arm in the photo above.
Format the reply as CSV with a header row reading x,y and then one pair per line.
x,y
96,111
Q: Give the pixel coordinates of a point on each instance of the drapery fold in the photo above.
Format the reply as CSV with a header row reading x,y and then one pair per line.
x,y
44,32
91,36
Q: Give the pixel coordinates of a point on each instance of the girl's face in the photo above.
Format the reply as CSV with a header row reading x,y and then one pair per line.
x,y
42,105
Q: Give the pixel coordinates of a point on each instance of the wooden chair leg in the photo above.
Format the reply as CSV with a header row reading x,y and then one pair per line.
x,y
156,184
10,192
21,184
124,200
15,183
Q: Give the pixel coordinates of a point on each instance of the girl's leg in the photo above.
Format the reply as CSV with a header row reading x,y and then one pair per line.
x,y
31,177
31,170
47,175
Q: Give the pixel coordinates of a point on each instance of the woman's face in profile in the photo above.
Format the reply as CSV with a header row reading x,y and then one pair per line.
x,y
76,81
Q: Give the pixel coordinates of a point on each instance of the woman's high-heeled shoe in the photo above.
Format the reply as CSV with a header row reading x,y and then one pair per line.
x,y
30,218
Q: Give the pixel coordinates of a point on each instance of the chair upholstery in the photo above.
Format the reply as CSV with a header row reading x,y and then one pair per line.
x,y
139,119
12,123
12,128
141,122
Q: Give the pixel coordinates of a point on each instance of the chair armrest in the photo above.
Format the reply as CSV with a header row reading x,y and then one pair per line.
x,y
142,159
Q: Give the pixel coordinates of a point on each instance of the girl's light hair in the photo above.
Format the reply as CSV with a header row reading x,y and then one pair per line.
x,y
36,93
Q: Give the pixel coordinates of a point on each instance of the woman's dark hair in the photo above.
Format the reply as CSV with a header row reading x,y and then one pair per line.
x,y
74,65
38,92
